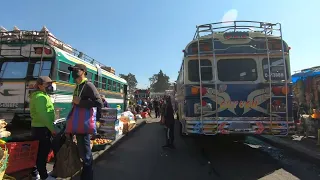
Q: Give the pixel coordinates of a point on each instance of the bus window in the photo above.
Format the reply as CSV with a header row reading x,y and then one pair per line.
x,y
114,86
104,83
14,70
89,76
122,88
193,70
118,87
96,81
277,70
45,70
237,70
63,72
109,84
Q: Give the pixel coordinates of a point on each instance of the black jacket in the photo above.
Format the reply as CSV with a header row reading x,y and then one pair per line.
x,y
90,97
169,116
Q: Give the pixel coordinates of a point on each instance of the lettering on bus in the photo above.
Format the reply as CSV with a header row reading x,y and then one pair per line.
x,y
274,75
9,105
240,104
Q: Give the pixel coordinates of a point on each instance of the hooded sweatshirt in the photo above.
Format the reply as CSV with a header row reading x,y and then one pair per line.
x,y
41,110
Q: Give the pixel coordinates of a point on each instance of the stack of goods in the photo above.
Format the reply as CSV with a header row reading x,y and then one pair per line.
x,y
298,90
316,91
52,40
99,144
101,141
3,131
107,125
109,69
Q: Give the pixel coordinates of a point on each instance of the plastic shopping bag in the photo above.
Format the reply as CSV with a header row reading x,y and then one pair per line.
x,y
68,160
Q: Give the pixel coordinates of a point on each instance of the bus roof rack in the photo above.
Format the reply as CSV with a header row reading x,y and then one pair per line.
x,y
42,36
226,26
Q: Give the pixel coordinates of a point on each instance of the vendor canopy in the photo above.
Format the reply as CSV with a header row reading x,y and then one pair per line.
x,y
310,72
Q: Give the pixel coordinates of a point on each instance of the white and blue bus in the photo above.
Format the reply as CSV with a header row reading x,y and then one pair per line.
x,y
235,79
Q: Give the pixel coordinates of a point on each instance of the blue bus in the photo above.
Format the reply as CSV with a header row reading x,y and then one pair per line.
x,y
235,79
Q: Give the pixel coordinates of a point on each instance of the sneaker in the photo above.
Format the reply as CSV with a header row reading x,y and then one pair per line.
x,y
50,178
37,177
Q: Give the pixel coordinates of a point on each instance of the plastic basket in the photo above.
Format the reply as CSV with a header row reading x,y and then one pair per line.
x,y
22,155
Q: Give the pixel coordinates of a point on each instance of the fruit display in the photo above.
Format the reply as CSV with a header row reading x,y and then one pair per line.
x,y
98,125
3,131
100,141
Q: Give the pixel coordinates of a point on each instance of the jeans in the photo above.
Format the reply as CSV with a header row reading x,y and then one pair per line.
x,y
83,143
43,135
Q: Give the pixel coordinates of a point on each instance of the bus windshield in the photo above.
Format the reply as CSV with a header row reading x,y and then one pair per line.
x,y
14,70
237,70
19,70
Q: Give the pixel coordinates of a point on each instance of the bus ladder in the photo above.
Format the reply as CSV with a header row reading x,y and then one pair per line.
x,y
268,30
214,75
20,37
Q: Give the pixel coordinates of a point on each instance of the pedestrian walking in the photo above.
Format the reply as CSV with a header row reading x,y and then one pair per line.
x,y
156,105
87,96
169,123
42,118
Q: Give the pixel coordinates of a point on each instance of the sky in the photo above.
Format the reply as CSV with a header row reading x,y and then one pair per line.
x,y
144,36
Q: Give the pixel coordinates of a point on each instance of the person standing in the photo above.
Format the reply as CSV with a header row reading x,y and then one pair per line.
x,y
169,123
42,118
85,95
156,105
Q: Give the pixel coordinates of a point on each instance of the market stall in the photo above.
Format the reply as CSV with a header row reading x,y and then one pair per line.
x,y
111,126
306,89
18,151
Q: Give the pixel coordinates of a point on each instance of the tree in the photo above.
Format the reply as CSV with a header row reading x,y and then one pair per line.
x,y
159,82
132,81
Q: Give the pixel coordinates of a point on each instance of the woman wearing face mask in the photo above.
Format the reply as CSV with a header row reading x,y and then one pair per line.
x,y
42,115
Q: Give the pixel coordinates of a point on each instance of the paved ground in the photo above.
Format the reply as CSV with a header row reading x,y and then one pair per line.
x,y
140,157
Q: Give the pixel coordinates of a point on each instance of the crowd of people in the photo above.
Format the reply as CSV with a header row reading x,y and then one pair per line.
x,y
85,96
163,109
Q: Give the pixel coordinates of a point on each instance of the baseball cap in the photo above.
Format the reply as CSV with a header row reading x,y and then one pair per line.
x,y
43,79
78,67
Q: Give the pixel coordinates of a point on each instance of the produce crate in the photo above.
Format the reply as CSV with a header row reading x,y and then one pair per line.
x,y
99,147
22,155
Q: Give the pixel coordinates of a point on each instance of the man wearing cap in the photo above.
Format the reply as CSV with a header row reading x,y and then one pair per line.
x,y
42,115
85,95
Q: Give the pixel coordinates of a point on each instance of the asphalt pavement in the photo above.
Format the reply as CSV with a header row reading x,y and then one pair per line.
x,y
141,157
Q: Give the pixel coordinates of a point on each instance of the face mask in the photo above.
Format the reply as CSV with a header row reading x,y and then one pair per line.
x,y
49,89
75,74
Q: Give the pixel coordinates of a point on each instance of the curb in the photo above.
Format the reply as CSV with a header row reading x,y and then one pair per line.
x,y
114,144
301,152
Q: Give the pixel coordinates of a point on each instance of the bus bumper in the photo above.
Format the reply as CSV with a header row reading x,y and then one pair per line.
x,y
248,127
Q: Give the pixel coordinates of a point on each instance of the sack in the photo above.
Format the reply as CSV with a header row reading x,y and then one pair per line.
x,y
81,121
68,160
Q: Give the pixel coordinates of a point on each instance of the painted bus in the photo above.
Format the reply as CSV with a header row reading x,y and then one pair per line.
x,y
25,55
235,79
142,94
